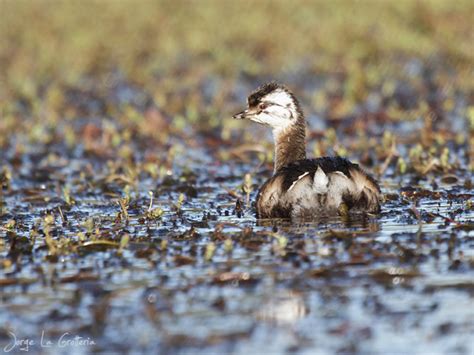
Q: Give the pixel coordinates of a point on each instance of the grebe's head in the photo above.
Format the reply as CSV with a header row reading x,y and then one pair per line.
x,y
272,105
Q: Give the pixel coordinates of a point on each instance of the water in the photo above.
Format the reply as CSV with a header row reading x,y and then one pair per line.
x,y
204,279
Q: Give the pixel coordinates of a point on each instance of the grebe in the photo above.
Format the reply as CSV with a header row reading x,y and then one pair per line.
x,y
303,187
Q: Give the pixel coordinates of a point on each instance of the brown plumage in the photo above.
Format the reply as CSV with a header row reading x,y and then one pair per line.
x,y
303,187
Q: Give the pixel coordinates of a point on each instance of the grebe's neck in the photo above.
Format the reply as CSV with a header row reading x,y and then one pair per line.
x,y
290,144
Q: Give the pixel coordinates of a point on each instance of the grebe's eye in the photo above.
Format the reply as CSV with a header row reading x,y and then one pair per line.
x,y
263,106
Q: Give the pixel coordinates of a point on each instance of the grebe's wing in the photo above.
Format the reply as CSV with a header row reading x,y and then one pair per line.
x,y
336,177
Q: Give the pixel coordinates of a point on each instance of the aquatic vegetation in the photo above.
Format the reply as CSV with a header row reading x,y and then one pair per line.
x,y
126,189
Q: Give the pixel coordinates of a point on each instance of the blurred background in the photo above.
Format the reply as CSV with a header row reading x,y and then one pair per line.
x,y
48,43
197,61
64,40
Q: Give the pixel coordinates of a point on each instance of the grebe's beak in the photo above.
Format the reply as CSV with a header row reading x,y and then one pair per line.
x,y
241,115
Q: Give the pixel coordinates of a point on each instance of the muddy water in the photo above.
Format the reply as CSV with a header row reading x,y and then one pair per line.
x,y
207,277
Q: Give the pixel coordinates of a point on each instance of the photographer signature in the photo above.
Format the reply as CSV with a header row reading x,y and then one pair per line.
x,y
64,341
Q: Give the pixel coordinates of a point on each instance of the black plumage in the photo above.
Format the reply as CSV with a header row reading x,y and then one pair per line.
x,y
256,96
294,170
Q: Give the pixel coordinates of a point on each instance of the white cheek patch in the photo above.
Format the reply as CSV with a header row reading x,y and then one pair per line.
x,y
275,117
278,116
281,98
277,124
280,112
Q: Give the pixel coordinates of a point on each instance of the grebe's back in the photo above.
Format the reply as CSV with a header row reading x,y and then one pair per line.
x,y
318,186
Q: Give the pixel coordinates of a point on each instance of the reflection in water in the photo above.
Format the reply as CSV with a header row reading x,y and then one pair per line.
x,y
284,308
353,220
